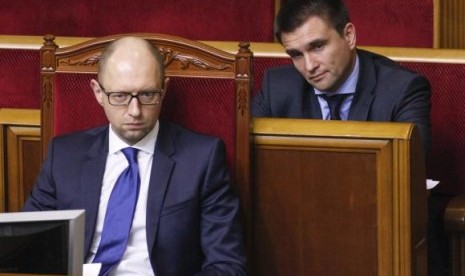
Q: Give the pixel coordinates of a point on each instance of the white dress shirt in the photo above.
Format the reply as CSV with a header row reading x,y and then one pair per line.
x,y
136,259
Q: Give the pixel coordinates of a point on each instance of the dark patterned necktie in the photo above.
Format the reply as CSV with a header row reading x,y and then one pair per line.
x,y
119,215
334,104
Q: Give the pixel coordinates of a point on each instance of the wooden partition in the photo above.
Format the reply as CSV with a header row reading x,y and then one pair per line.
x,y
451,24
338,198
20,156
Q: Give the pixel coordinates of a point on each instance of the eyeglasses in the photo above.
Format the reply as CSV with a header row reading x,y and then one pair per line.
x,y
124,98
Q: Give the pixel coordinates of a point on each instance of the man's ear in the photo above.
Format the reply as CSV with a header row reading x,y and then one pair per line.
x,y
350,35
165,86
98,92
167,82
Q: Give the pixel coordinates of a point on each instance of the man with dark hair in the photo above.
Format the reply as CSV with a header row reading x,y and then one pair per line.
x,y
321,41
331,79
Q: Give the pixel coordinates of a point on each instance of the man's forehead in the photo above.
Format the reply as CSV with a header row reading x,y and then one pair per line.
x,y
313,30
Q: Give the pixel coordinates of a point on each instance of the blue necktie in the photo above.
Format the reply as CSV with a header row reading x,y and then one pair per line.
x,y
119,215
334,104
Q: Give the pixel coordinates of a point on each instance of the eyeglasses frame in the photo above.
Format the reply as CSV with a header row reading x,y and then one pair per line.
x,y
159,92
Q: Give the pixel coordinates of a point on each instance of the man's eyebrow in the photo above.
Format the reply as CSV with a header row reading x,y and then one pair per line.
x,y
293,52
316,42
310,45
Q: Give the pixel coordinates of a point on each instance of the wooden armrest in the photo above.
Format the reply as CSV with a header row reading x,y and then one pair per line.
x,y
454,215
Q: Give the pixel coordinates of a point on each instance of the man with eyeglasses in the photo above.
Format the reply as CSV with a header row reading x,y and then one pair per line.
x,y
185,215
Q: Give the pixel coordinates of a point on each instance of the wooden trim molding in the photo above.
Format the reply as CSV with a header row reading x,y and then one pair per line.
x,y
22,141
262,49
20,155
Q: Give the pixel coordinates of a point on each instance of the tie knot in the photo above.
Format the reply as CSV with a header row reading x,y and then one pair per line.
x,y
337,98
131,154
334,104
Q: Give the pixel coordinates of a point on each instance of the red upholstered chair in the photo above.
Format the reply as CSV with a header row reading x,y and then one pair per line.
x,y
209,92
445,162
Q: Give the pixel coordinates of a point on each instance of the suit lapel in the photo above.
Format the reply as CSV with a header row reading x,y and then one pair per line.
x,y
162,168
364,94
91,182
313,110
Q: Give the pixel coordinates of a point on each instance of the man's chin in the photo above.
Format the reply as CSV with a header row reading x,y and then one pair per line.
x,y
323,86
133,136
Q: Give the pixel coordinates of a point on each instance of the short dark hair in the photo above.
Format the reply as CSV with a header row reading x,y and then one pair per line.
x,y
294,13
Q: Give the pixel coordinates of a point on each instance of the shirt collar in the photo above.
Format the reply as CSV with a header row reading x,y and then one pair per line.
x,y
349,85
146,144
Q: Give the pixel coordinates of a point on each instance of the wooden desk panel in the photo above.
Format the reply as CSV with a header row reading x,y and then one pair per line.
x,y
301,199
337,198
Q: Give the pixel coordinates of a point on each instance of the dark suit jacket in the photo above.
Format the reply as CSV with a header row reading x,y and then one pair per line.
x,y
385,92
192,212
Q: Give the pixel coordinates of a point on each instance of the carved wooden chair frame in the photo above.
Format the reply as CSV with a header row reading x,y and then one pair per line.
x,y
182,58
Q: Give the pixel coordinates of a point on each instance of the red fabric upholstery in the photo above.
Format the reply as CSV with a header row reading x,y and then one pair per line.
x,y
205,20
75,105
445,162
197,104
202,105
398,23
19,78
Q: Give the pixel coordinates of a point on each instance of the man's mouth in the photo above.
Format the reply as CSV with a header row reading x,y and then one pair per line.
x,y
317,77
134,125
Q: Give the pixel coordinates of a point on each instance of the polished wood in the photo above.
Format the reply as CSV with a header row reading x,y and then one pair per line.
x,y
454,221
20,148
451,24
338,198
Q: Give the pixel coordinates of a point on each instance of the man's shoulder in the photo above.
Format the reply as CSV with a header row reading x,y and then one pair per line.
x,y
173,138
69,148
386,70
383,64
83,134
178,132
283,76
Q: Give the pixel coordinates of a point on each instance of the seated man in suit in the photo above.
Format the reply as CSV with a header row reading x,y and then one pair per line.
x,y
321,41
331,79
172,211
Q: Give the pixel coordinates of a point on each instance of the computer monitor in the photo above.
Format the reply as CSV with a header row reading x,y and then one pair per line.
x,y
42,242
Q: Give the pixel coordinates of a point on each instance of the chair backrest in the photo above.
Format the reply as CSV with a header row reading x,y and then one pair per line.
x,y
209,92
445,162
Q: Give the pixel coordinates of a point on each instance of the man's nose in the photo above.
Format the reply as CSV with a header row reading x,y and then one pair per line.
x,y
134,107
310,63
